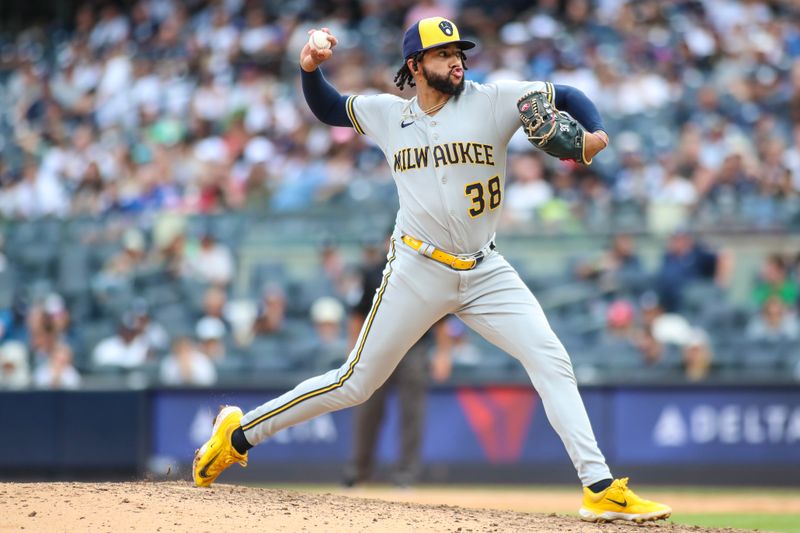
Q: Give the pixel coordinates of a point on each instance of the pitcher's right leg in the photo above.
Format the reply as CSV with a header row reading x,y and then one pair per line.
x,y
414,294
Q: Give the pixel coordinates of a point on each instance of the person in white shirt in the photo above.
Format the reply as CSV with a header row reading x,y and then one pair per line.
x,y
211,333
529,190
14,369
126,349
186,365
57,372
211,262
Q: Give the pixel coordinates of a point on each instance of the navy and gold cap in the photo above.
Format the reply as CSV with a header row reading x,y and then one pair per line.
x,y
432,32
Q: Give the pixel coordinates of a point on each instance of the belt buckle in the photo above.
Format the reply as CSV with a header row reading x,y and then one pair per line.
x,y
457,258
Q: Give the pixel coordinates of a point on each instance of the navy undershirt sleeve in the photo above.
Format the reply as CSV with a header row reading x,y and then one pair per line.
x,y
577,104
324,100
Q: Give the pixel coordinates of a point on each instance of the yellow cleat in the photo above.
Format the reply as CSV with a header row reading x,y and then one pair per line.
x,y
218,453
618,502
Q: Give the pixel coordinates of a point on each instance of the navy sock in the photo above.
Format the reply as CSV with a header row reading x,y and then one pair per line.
x,y
601,485
239,441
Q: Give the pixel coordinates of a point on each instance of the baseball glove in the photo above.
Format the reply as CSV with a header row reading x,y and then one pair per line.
x,y
552,131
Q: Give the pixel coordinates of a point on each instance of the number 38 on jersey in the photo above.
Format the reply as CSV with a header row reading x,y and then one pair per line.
x,y
482,195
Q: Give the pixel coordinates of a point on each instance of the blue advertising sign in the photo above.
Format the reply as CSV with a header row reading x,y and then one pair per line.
x,y
182,423
479,425
707,426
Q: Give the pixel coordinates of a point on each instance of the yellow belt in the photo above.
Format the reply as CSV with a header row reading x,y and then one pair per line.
x,y
453,261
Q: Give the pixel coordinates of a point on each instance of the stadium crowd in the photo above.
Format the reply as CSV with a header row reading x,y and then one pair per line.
x,y
136,109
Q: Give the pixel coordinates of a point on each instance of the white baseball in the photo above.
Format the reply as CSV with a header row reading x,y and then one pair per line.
x,y
319,40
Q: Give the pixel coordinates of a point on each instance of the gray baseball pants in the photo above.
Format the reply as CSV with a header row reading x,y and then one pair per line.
x,y
415,293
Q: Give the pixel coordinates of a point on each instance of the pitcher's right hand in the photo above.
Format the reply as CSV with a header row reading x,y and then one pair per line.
x,y
311,58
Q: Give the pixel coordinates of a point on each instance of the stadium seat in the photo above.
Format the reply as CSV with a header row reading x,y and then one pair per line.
x,y
175,318
262,274
73,274
7,287
763,359
191,293
699,297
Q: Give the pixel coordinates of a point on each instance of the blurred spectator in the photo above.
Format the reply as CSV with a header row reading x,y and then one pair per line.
x,y
153,333
452,348
774,323
697,356
331,270
660,329
186,365
618,268
241,315
48,325
637,180
171,252
14,368
124,263
57,316
774,281
620,323
328,347
214,303
671,328
211,261
210,332
13,320
619,343
686,261
672,198
37,194
428,8
527,188
57,372
126,349
126,83
271,317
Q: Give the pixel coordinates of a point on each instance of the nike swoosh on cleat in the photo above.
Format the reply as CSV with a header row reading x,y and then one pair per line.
x,y
204,471
623,503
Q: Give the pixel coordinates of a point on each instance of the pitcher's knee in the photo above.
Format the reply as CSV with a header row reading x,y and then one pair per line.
x,y
550,361
356,391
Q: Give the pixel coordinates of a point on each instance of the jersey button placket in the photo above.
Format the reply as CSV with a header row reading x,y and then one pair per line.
x,y
443,179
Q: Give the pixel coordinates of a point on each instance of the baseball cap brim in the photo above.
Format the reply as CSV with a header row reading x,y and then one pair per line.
x,y
462,43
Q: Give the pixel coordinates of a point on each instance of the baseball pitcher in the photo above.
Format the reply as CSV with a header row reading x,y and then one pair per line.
x,y
446,147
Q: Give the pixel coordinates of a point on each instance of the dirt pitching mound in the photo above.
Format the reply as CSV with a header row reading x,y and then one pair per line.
x,y
178,506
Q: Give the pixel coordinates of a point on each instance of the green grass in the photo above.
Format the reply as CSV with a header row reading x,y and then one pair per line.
x,y
782,523
766,522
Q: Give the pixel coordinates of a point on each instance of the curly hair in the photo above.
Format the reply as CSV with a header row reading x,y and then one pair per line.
x,y
404,75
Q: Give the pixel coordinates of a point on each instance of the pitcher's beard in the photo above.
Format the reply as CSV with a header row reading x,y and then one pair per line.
x,y
443,83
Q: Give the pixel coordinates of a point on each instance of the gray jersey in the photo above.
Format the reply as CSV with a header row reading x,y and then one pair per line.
x,y
450,167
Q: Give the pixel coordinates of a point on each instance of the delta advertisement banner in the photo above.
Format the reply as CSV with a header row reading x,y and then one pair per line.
x,y
507,425
707,426
474,425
